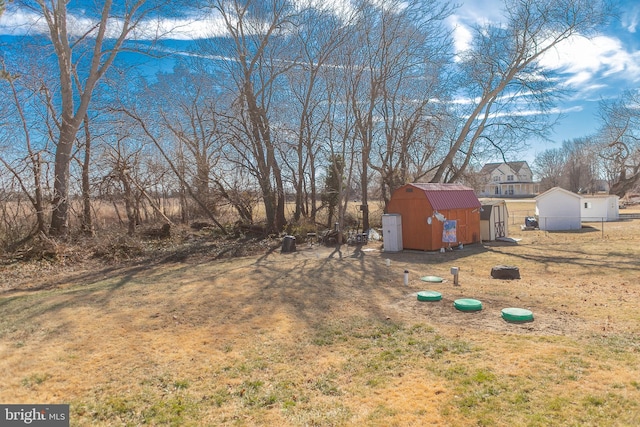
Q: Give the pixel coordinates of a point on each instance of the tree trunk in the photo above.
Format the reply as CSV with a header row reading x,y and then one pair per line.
x,y
129,206
60,214
314,191
624,184
364,182
87,221
39,198
280,219
246,215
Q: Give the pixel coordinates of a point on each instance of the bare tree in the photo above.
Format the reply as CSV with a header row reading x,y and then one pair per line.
x,y
318,36
177,165
503,79
574,166
416,53
620,137
187,107
393,72
83,57
580,169
291,86
124,159
257,54
549,166
234,187
34,159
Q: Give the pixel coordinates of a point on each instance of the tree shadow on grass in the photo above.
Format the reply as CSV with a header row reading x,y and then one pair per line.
x,y
598,264
437,257
585,229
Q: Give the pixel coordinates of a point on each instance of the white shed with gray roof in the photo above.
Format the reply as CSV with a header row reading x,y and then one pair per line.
x,y
600,207
558,209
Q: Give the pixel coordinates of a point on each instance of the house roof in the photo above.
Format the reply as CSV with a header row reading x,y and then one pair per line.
x,y
448,196
490,167
487,207
555,190
492,202
599,196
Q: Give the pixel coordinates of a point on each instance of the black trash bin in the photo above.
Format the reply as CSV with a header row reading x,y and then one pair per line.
x,y
288,244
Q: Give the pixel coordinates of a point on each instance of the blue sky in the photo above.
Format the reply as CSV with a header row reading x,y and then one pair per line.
x,y
593,69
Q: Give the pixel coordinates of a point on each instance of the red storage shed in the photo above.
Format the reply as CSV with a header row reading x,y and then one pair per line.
x,y
428,209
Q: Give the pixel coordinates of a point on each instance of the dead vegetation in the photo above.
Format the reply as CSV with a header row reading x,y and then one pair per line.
x,y
36,259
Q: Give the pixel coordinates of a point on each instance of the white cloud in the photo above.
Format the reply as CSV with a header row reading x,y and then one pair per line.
x,y
588,58
579,79
340,8
18,22
472,13
582,60
553,111
182,29
528,113
462,36
630,19
481,11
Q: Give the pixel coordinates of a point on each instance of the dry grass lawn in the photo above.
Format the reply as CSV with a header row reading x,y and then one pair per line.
x,y
332,337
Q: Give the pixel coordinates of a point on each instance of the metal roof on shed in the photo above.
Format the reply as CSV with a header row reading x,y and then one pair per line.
x,y
448,196
487,208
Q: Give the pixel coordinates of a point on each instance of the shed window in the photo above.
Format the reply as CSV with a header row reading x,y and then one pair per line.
x,y
409,190
587,205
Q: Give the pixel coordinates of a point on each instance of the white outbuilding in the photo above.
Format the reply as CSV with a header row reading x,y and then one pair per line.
x,y
558,209
600,207
494,219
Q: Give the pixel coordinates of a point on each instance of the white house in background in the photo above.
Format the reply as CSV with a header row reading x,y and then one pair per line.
x,y
559,209
600,207
510,179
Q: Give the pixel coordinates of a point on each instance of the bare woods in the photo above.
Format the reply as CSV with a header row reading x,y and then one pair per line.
x,y
271,113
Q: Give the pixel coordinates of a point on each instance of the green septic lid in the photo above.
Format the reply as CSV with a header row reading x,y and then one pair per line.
x,y
517,315
467,304
432,279
429,296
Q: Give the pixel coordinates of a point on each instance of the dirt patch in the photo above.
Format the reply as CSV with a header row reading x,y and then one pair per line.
x,y
546,321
